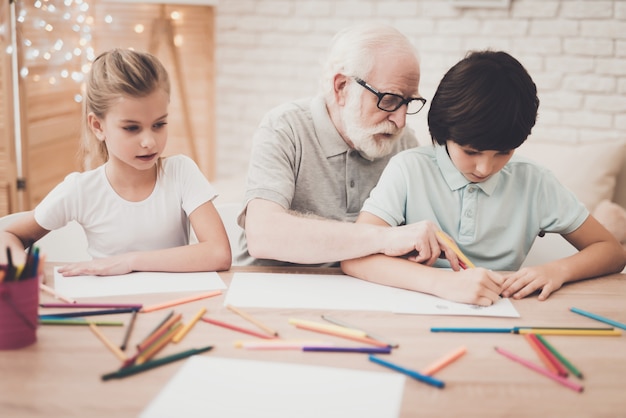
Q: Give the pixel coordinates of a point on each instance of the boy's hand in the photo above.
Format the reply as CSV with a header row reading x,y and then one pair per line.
x,y
526,281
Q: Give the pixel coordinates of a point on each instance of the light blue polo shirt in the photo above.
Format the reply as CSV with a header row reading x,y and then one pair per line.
x,y
494,222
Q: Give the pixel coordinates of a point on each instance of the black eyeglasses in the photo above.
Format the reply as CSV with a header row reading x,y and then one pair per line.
x,y
390,102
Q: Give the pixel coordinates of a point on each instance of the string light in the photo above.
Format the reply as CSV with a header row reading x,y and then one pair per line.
x,y
56,41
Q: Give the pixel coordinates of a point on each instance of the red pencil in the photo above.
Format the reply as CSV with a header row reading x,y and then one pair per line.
x,y
236,328
560,369
536,346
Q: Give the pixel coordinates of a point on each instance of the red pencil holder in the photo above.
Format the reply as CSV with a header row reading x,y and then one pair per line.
x,y
19,304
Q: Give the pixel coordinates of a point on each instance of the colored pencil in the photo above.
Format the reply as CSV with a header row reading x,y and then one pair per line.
x,y
367,334
534,344
54,293
411,373
256,322
564,361
185,329
539,369
129,371
78,321
158,345
159,332
92,305
175,302
235,328
163,321
557,331
444,361
465,262
341,334
329,327
87,313
561,370
10,268
529,330
472,330
129,329
599,318
112,347
370,350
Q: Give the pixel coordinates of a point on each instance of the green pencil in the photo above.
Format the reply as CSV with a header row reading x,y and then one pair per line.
x,y
560,357
128,371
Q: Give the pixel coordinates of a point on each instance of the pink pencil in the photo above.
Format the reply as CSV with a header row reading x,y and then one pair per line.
x,y
236,328
539,369
560,369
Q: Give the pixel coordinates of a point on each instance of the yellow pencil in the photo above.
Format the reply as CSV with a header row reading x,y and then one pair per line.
x,y
329,327
456,249
158,345
556,331
184,330
253,320
112,347
444,361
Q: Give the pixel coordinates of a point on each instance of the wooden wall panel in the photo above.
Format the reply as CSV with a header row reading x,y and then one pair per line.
x,y
7,154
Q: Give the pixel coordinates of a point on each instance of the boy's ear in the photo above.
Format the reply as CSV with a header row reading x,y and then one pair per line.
x,y
340,84
95,124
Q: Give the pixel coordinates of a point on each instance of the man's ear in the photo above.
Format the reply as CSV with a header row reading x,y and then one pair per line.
x,y
96,126
340,85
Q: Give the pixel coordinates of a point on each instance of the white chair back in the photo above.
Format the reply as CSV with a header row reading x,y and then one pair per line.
x,y
67,244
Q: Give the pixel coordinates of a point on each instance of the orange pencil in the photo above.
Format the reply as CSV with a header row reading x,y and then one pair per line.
x,y
542,356
560,368
180,301
158,345
159,332
444,361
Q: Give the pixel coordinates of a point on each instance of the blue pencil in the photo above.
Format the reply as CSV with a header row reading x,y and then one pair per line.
x,y
598,318
411,373
87,313
494,330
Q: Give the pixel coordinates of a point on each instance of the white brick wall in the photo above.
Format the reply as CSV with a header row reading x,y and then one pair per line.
x,y
268,52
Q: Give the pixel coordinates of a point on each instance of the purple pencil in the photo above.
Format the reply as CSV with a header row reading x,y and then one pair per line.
x,y
92,305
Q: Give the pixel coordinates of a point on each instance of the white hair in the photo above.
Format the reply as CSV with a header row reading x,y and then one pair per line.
x,y
353,51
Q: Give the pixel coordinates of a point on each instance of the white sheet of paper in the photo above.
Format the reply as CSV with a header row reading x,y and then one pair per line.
x,y
136,283
342,292
207,386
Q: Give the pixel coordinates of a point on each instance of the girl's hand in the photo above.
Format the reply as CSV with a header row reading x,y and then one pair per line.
x,y
110,266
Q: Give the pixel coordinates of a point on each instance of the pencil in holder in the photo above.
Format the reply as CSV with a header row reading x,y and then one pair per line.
x,y
19,302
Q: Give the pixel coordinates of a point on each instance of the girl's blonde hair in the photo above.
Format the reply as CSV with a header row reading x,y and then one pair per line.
x,y
115,74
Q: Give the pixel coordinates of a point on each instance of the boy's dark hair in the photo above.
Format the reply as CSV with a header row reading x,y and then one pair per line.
x,y
487,101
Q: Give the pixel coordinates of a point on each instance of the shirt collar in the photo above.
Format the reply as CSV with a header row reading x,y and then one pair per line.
x,y
331,142
455,179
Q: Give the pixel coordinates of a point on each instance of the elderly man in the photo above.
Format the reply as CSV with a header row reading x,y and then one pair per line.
x,y
315,161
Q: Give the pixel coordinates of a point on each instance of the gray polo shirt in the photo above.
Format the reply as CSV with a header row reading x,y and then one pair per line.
x,y
300,161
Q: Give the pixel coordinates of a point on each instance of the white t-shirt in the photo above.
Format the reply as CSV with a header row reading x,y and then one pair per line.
x,y
115,226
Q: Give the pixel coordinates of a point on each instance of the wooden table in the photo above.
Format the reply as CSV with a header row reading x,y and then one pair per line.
x,y
59,375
